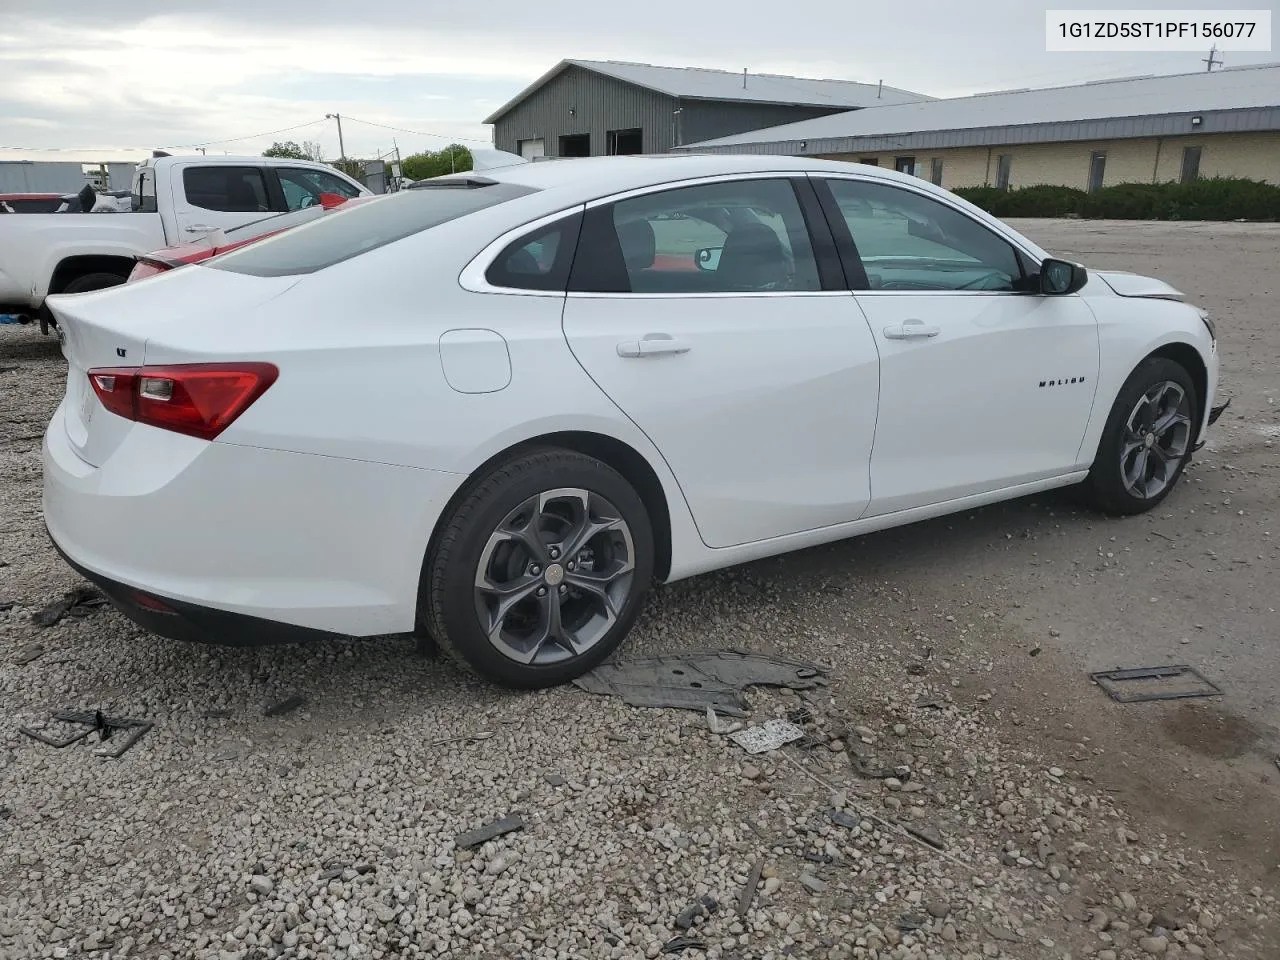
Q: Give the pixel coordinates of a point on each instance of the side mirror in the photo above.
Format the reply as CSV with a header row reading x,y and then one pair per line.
x,y
707,258
1061,277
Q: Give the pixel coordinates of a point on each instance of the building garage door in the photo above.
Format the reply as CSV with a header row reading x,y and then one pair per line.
x,y
529,149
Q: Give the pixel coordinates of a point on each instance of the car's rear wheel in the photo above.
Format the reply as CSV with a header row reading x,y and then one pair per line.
x,y
540,571
1147,441
93,281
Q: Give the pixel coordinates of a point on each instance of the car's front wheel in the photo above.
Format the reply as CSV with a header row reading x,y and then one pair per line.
x,y
540,571
1147,441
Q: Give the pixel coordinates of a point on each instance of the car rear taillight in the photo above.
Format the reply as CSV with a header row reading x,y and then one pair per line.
x,y
198,399
147,268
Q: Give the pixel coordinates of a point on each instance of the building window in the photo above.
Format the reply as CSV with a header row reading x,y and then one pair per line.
x,y
1097,170
575,145
623,142
1190,164
870,161
1004,164
904,164
935,171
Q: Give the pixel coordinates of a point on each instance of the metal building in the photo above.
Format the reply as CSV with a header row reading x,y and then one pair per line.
x,y
59,176
1147,129
582,108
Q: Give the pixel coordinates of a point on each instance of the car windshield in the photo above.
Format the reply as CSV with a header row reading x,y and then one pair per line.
x,y
329,240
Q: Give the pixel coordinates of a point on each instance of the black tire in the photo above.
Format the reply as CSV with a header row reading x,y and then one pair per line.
x,y
93,281
450,603
1105,488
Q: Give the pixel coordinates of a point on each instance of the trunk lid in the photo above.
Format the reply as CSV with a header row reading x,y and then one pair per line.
x,y
111,327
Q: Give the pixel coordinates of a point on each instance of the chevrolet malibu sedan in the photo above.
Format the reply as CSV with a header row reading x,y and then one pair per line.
x,y
496,409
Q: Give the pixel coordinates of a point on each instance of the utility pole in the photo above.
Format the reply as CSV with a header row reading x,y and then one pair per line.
x,y
342,150
1209,61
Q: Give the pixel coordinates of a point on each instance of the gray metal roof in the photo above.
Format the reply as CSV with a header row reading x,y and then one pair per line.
x,y
698,83
1132,106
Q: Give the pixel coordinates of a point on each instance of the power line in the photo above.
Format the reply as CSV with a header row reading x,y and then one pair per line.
x,y
419,133
254,136
171,146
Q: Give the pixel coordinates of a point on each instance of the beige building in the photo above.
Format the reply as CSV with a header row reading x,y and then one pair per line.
x,y
1135,130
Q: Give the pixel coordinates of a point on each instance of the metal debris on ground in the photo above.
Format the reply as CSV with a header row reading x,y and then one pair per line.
x,y
27,653
78,602
699,680
681,944
926,834
719,726
749,890
771,736
469,738
909,922
701,908
809,742
1140,684
94,721
287,705
842,819
473,838
800,716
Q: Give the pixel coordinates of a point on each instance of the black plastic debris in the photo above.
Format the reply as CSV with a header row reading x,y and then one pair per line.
x,y
287,705
749,890
79,602
699,680
701,908
1140,684
94,721
842,819
473,838
681,944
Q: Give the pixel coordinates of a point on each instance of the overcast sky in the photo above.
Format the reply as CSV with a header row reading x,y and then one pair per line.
x,y
112,80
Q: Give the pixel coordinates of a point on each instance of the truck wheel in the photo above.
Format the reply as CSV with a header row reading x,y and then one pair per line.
x,y
93,281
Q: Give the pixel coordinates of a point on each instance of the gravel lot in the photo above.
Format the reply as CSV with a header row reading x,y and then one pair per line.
x,y
1070,826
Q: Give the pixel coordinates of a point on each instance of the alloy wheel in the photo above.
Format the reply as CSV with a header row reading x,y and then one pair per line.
x,y
554,576
1155,440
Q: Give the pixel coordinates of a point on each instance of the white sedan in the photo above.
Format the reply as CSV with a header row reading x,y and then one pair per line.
x,y
496,408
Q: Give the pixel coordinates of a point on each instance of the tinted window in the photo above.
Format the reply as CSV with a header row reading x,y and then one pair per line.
x,y
143,199
302,188
745,236
347,233
227,189
538,261
908,241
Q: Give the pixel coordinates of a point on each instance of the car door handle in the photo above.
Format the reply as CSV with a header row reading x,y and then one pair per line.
x,y
653,345
199,228
911,330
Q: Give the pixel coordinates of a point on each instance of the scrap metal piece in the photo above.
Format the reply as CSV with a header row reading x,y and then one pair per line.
x,y
94,721
78,602
698,680
749,891
926,835
842,819
681,944
1140,684
473,838
771,736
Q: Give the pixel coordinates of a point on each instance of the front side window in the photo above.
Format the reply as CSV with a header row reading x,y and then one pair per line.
x,y
746,236
226,189
908,241
302,188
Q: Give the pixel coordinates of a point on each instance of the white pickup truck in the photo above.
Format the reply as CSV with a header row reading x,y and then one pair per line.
x,y
174,200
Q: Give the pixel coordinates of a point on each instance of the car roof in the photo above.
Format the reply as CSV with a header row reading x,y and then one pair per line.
x,y
602,176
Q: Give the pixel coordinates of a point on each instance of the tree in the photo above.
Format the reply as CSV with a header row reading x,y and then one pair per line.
x,y
288,149
420,166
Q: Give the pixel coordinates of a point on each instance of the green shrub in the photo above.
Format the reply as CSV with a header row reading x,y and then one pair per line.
x,y
1221,198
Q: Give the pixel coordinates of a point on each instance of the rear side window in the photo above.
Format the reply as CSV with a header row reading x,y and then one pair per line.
x,y
226,189
344,234
539,260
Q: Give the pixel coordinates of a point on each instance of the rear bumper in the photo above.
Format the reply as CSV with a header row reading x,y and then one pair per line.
x,y
191,622
244,544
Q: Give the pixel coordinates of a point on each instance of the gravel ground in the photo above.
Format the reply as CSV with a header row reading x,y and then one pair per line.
x,y
958,706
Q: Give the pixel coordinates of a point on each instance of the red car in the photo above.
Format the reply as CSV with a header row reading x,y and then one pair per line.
x,y
219,241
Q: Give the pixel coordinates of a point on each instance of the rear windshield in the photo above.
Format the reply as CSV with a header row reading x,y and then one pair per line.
x,y
349,233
